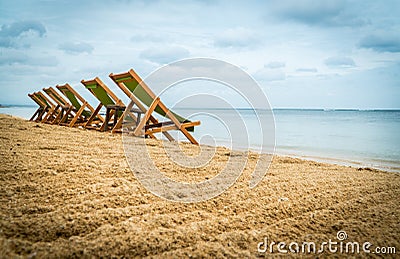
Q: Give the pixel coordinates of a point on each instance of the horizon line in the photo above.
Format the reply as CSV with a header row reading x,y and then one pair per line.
x,y
248,108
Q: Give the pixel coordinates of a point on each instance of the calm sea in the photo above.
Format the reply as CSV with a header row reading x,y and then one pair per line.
x,y
364,138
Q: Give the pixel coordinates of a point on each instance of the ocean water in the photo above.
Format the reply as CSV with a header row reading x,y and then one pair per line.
x,y
20,111
363,138
359,137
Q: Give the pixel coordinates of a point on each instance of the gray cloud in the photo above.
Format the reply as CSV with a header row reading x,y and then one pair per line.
x,y
237,37
14,57
275,64
340,62
272,71
381,43
270,74
75,48
11,34
164,55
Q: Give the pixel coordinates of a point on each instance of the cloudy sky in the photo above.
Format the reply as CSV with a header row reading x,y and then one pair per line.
x,y
303,53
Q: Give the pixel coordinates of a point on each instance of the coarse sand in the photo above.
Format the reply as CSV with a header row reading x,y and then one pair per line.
x,y
69,192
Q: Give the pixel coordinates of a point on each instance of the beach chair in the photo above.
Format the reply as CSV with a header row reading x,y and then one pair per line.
x,y
114,106
66,108
84,112
52,109
142,96
43,108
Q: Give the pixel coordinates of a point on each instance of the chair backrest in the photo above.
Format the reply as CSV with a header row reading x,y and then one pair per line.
x,y
75,98
37,100
44,99
131,83
101,92
52,93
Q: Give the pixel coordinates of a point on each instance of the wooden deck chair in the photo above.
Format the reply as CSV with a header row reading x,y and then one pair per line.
x,y
106,98
83,110
43,108
66,107
52,108
141,95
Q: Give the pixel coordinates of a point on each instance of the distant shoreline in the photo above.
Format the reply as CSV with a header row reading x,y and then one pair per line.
x,y
17,106
243,108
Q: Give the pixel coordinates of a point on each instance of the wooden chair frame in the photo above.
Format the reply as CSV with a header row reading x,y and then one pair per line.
x,y
52,108
79,119
43,108
112,108
66,108
149,125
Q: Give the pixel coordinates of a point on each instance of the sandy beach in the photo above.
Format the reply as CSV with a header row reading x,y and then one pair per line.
x,y
68,192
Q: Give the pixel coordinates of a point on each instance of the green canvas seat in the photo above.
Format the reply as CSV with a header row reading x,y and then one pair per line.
x,y
84,112
142,96
107,99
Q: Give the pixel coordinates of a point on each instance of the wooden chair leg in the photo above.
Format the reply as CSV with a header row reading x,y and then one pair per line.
x,y
57,117
104,127
77,115
118,125
39,118
65,117
139,129
166,134
94,114
177,123
188,136
36,113
48,115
